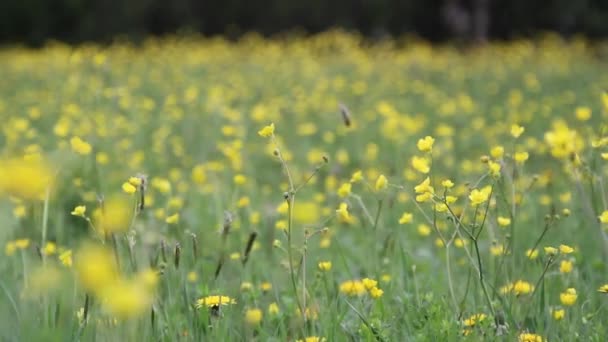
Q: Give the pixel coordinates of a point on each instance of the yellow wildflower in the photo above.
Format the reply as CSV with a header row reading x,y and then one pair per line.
x,y
356,177
565,249
426,144
503,221
406,218
565,266
604,216
267,131
568,297
344,190
325,266
128,188
211,301
516,130
79,211
381,183
80,146
253,316
558,314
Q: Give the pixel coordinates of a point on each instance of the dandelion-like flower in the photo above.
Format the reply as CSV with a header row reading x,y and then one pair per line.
x,y
568,297
79,210
214,301
426,144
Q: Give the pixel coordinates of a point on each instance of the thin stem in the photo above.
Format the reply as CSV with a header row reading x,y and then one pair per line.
x,y
45,218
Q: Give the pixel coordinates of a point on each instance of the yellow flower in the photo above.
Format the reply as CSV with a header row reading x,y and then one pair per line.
x,y
211,301
80,146
497,152
424,230
381,183
128,188
568,297
66,258
565,249
246,286
426,144
446,183
240,179
583,113
344,190
522,288
49,249
516,130
494,168
267,131
565,266
424,186
558,314
253,316
273,308
343,214
116,215
22,243
532,254
352,288
603,288
529,337
266,286
406,218
25,179
95,267
126,298
79,211
503,221
192,277
356,177
312,339
550,251
604,216
375,292
478,197
325,266
420,164
243,202
474,319
369,283
173,219
521,157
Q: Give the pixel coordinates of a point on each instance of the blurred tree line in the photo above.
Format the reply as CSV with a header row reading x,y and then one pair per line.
x,y
35,21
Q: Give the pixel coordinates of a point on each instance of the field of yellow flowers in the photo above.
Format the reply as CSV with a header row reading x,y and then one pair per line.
x,y
304,189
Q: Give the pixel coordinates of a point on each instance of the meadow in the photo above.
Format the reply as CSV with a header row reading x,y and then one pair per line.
x,y
325,188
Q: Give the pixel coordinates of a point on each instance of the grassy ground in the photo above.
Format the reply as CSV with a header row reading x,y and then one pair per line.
x,y
139,183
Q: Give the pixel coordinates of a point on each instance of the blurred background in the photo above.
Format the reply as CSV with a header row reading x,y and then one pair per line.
x,y
34,22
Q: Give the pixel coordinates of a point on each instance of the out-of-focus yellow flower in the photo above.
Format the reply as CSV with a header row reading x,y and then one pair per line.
x,y
565,266
550,251
273,308
406,218
446,183
79,211
25,179
344,190
426,144
497,152
325,266
381,183
267,131
95,267
173,219
583,113
376,292
253,316
66,258
604,216
126,298
352,288
128,188
529,337
356,177
521,157
116,215
532,254
558,314
80,146
565,249
420,164
568,297
517,130
343,214
503,221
